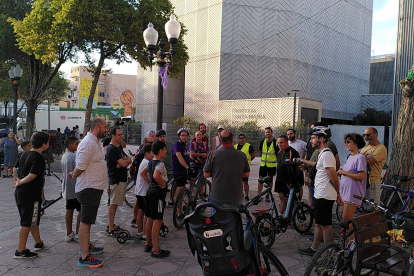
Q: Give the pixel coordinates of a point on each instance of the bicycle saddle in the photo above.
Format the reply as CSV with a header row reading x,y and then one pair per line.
x,y
266,180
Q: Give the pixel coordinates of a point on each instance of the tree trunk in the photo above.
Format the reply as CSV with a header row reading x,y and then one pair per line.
x,y
403,142
30,119
96,75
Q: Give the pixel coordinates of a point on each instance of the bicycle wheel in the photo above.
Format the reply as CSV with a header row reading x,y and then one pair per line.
x,y
269,262
338,212
182,204
203,191
302,218
266,226
328,260
130,193
172,187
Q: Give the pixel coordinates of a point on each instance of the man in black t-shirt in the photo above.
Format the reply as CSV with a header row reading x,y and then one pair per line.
x,y
117,164
286,154
28,181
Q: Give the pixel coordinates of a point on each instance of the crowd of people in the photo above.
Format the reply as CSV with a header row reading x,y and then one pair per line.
x,y
227,163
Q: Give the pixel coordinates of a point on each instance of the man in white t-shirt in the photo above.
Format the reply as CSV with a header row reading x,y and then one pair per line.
x,y
141,188
298,145
326,189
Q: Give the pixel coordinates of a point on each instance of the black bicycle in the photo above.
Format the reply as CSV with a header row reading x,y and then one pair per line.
x,y
298,214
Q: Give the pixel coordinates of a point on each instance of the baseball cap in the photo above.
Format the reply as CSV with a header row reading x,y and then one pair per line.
x,y
220,127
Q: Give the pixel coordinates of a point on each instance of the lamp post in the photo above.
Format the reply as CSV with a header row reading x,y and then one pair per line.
x,y
15,74
294,106
172,29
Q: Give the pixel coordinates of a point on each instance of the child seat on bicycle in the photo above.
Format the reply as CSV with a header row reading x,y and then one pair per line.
x,y
220,242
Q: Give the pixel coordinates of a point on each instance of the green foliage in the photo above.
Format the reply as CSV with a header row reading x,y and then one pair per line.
x,y
186,122
373,117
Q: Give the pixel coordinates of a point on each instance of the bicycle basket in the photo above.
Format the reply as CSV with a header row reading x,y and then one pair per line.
x,y
218,240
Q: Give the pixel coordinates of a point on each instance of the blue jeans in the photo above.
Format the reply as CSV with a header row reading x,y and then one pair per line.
x,y
312,191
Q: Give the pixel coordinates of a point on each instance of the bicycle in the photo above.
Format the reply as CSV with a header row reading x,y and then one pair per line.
x,y
335,258
224,247
195,191
395,196
298,214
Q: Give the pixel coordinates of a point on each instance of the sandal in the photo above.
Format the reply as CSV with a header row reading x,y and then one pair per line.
x,y
10,175
4,176
117,229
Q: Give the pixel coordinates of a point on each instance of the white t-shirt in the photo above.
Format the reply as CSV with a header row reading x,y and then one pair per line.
x,y
299,146
323,186
141,187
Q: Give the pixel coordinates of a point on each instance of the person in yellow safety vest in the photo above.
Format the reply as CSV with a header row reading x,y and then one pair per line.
x,y
249,151
267,150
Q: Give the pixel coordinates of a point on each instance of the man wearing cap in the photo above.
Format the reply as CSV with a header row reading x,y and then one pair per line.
x,y
216,140
267,150
161,135
249,151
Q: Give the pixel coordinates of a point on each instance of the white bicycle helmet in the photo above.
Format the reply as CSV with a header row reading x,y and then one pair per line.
x,y
321,130
181,130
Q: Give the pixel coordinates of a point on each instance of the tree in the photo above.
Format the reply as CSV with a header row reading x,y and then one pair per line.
x,y
402,145
47,42
373,117
113,29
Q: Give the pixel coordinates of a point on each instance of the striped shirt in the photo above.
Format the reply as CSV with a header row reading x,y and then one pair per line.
x,y
90,158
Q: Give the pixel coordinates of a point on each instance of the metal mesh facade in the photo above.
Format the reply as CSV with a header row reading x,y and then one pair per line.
x,y
262,49
380,102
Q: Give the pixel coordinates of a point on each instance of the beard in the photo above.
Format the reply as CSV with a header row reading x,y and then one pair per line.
x,y
369,141
292,138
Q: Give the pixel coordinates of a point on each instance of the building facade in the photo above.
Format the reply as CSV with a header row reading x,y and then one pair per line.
x,y
114,91
249,54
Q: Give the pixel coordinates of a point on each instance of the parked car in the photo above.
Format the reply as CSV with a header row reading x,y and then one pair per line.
x,y
4,129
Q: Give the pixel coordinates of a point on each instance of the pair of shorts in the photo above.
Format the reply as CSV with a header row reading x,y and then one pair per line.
x,y
282,188
155,204
265,171
323,211
73,204
245,179
29,213
118,192
89,199
195,171
373,193
141,201
180,180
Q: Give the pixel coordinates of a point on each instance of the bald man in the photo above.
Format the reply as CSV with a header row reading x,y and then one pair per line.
x,y
227,167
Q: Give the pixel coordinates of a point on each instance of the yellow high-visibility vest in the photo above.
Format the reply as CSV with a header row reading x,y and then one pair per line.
x,y
268,158
245,149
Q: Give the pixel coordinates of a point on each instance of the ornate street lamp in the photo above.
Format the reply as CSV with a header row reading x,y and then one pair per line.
x,y
15,74
172,29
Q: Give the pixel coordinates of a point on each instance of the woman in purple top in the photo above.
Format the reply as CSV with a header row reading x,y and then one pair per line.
x,y
353,176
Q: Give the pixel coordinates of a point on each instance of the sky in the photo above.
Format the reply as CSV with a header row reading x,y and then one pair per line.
x,y
384,37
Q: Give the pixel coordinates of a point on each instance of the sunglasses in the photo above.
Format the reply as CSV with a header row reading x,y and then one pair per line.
x,y
347,142
367,135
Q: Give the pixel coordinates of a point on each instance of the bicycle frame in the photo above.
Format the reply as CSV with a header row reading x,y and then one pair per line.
x,y
398,191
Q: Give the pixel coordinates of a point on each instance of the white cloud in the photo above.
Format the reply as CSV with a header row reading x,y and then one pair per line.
x,y
388,12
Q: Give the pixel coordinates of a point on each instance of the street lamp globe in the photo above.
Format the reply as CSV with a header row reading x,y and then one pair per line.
x,y
150,36
18,71
172,29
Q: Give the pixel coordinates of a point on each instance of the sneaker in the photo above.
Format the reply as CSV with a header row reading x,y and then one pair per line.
x,y
39,246
310,239
25,254
93,250
267,198
70,237
160,254
247,198
139,235
134,223
307,251
90,261
109,202
148,248
76,238
171,203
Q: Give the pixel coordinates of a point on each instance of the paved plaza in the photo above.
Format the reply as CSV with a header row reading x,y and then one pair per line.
x,y
60,257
